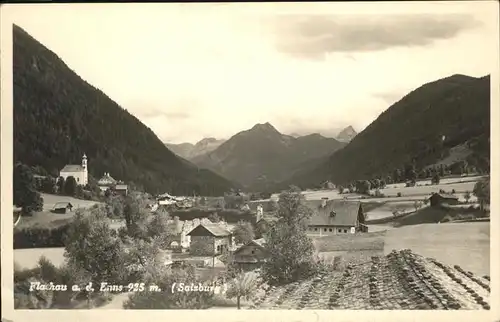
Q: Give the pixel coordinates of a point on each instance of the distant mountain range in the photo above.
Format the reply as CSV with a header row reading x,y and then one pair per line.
x,y
189,151
262,156
422,129
347,134
58,117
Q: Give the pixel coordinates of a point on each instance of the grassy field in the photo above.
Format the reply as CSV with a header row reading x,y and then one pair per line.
x,y
47,218
50,200
464,244
28,258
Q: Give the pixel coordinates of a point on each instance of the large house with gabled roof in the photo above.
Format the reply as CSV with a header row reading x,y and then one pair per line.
x,y
332,217
209,240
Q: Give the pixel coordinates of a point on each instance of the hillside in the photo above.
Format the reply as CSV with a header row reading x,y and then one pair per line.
x,y
261,156
189,151
58,117
412,130
347,134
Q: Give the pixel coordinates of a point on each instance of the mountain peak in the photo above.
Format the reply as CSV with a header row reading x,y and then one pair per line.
x,y
347,134
263,126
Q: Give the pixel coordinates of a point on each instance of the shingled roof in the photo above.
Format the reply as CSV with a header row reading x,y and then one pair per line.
x,y
334,213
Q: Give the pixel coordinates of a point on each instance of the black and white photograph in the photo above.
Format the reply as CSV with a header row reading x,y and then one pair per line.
x,y
247,156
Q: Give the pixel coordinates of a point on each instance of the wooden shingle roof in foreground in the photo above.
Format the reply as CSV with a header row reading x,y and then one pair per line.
x,y
399,281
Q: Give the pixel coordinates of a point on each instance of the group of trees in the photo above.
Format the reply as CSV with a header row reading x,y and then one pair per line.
x,y
409,173
25,194
27,188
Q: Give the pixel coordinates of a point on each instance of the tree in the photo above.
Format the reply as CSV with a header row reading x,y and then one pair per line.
x,y
60,185
91,246
48,185
435,179
442,170
136,213
25,195
467,196
214,217
70,186
291,250
243,232
115,207
397,176
482,191
340,189
410,172
363,186
170,298
163,229
245,285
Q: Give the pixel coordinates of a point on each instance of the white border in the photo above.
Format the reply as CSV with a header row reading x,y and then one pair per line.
x,y
8,12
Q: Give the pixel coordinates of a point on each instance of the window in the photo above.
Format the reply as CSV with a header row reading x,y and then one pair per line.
x,y
330,229
315,229
253,252
325,229
345,230
339,230
77,179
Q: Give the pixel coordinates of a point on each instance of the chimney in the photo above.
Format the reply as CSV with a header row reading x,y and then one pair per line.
x,y
323,202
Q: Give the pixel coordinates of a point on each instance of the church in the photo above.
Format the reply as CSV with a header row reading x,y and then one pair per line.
x,y
79,172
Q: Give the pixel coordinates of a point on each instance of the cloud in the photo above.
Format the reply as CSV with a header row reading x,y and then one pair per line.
x,y
314,36
390,97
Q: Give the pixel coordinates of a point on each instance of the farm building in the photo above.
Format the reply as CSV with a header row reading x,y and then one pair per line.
x,y
77,171
439,199
251,255
121,189
332,217
209,240
236,200
62,207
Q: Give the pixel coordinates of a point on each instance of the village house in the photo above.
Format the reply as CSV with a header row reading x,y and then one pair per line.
x,y
79,172
251,255
331,217
121,189
106,182
236,200
62,208
442,199
209,240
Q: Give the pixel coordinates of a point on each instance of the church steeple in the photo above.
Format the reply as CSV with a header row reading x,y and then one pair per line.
x,y
84,161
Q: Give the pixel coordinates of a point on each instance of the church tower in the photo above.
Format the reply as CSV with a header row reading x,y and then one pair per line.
x,y
85,170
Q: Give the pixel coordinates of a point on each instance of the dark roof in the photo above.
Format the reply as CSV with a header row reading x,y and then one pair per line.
x,y
261,243
72,168
346,212
209,230
445,195
60,205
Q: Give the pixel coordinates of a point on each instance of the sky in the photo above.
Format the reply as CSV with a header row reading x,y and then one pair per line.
x,y
190,71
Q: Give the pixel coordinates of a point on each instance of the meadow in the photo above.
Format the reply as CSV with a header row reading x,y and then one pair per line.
x,y
463,244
